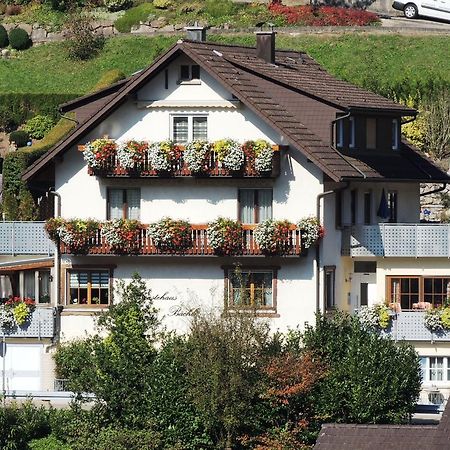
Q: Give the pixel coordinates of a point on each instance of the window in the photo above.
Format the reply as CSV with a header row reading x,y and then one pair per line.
x,y
189,128
371,133
410,290
124,203
189,72
249,288
34,284
365,266
353,206
351,143
329,291
395,134
340,133
435,369
255,205
367,208
44,286
89,287
392,205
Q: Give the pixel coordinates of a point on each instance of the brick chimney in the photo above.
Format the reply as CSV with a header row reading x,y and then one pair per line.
x,y
196,33
265,45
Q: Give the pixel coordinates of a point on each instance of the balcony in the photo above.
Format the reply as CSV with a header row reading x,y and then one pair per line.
x,y
25,238
41,325
214,169
410,326
199,244
410,240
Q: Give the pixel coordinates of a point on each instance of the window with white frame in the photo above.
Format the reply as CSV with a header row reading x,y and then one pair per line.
x,y
124,203
395,134
255,205
435,369
189,128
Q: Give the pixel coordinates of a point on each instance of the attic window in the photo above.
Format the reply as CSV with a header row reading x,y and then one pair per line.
x,y
189,72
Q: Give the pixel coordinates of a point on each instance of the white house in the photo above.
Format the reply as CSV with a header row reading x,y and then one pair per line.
x,y
337,155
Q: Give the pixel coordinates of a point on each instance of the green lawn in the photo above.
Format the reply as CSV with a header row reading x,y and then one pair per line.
x,y
381,63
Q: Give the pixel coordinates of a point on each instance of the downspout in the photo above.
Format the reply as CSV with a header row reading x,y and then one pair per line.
x,y
57,257
318,198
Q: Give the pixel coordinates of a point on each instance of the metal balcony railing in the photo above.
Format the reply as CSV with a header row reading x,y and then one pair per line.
x,y
410,326
200,245
42,324
25,238
417,240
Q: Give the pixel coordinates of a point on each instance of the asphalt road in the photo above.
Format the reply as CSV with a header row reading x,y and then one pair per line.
x,y
401,23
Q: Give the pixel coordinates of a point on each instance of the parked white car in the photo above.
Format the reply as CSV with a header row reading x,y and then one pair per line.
x,y
436,9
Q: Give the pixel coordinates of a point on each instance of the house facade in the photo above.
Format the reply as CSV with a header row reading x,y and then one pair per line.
x,y
336,154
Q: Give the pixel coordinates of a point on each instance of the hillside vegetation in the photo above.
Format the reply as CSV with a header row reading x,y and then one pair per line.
x,y
396,66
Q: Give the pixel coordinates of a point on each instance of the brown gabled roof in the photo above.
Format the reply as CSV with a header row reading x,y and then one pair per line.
x,y
386,437
260,86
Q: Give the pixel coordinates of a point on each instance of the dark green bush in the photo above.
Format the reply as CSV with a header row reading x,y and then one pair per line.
x,y
4,41
39,126
19,39
118,5
19,137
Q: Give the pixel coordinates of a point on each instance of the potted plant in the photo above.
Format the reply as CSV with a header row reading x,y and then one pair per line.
x,y
273,236
131,153
6,317
225,236
162,156
171,235
98,152
196,156
229,154
375,317
259,154
122,235
21,309
311,231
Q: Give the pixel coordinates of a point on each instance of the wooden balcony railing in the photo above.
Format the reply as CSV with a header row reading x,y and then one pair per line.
x,y
199,247
112,168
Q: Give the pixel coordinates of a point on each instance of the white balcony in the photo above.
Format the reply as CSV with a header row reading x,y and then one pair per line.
x,y
25,238
410,326
42,324
413,240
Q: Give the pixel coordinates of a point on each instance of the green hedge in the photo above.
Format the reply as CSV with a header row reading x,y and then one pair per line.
x,y
17,108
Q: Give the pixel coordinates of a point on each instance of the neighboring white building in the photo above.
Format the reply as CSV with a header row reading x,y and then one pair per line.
x,y
338,155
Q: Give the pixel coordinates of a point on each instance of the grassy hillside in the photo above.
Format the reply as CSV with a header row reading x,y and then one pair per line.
x,y
383,63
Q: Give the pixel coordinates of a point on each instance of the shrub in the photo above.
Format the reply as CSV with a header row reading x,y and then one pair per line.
x,y
82,42
20,138
39,126
162,4
19,39
4,42
139,13
48,443
118,5
108,78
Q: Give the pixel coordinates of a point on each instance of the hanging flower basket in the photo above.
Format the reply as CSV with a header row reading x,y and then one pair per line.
x,y
376,317
311,231
122,235
162,156
273,237
75,234
96,153
225,236
196,156
6,317
438,319
131,153
21,308
230,154
259,154
171,235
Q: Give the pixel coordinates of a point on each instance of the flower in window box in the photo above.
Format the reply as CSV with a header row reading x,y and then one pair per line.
x,y
259,154
75,234
273,236
375,317
131,153
225,236
122,235
6,317
230,154
162,155
171,235
433,320
311,231
96,153
21,308
196,156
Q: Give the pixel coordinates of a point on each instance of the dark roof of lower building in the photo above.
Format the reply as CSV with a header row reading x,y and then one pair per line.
x,y
269,90
386,437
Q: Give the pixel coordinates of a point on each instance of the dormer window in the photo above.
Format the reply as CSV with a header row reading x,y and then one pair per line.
x,y
371,133
189,128
395,134
352,132
189,72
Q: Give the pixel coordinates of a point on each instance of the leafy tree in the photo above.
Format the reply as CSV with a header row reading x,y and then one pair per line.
x,y
370,379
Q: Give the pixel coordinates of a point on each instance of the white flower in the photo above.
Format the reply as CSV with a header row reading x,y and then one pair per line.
x,y
264,156
125,155
264,234
195,155
111,232
310,229
6,317
158,157
433,320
